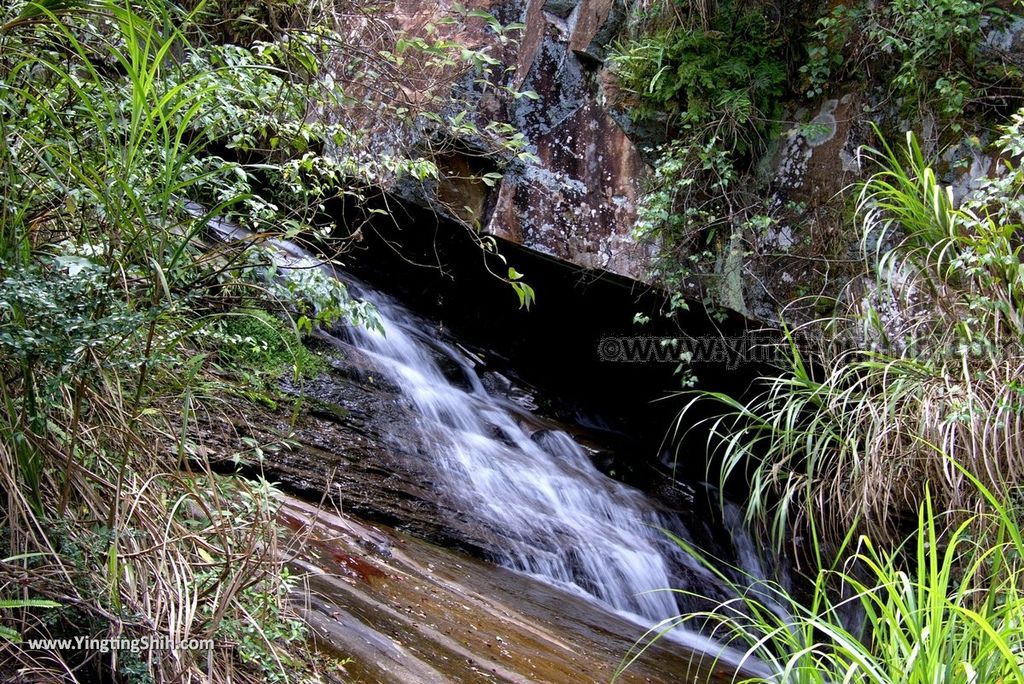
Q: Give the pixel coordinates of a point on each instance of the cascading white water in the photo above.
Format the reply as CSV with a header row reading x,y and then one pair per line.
x,y
551,512
556,515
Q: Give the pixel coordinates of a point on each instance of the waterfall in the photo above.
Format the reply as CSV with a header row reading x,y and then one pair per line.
x,y
548,510
554,514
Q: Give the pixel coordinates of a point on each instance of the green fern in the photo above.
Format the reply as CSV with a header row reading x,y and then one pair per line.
x,y
8,634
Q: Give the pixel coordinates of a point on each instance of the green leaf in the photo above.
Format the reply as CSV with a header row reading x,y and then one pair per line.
x,y
43,8
491,179
12,604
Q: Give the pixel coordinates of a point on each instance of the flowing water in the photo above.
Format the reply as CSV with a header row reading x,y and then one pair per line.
x,y
548,509
555,515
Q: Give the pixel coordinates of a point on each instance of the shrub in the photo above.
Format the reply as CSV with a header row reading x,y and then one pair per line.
x,y
918,368
111,118
933,52
720,75
943,605
713,74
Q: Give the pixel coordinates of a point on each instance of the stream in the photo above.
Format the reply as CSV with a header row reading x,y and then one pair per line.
x,y
538,505
552,514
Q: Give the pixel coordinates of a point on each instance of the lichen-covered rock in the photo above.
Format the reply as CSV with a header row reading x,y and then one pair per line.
x,y
793,240
579,202
807,183
817,156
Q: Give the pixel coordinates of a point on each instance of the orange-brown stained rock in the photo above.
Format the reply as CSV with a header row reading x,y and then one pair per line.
x,y
428,615
579,202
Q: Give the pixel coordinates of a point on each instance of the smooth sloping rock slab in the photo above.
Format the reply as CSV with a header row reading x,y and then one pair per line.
x,y
406,612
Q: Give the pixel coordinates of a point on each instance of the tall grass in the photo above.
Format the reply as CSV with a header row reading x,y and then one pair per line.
x,y
119,315
916,371
945,605
109,509
118,146
894,448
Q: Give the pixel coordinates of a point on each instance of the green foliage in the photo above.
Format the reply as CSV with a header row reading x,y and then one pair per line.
x,y
934,51
124,325
58,320
916,369
826,58
265,623
253,102
57,313
259,348
689,212
944,605
262,624
9,634
245,22
715,75
722,77
525,293
311,289
685,208
685,212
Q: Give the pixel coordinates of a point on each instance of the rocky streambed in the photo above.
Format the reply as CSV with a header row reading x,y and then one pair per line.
x,y
409,612
397,575
544,569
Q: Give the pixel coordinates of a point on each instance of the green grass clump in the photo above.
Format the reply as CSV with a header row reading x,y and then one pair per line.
x,y
893,446
917,368
264,347
944,606
108,115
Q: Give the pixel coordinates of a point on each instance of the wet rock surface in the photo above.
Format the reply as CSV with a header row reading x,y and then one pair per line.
x,y
388,432
406,612
353,440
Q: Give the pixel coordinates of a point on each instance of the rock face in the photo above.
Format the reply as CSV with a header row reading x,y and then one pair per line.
x,y
803,178
806,181
579,203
